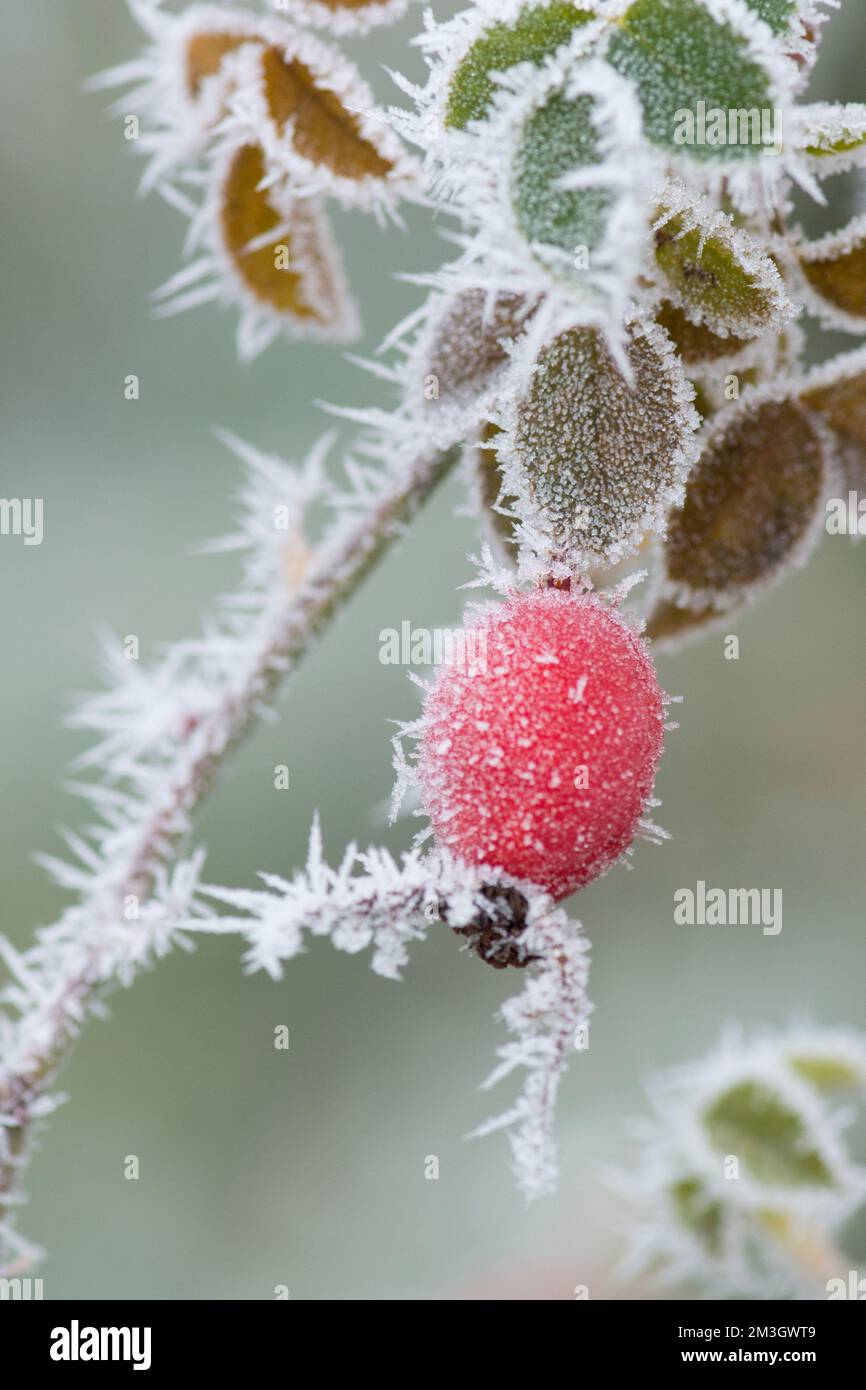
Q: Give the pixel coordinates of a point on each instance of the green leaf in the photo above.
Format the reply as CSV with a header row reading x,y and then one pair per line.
x,y
556,139
702,1214
592,459
828,132
827,1073
776,13
719,275
769,1138
677,54
537,33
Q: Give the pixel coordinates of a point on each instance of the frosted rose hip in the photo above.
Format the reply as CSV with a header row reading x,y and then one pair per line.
x,y
540,748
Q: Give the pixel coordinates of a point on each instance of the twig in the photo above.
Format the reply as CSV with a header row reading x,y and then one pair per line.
x,y
62,978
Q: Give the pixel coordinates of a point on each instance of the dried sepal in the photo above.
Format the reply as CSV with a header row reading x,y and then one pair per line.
x,y
315,118
497,40
495,510
753,507
830,137
594,460
267,253
834,274
716,273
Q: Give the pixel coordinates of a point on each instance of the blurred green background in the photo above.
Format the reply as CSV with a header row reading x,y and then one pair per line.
x,y
306,1168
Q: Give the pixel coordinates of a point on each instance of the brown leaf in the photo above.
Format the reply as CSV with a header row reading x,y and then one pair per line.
x,y
837,390
839,393
835,269
695,342
204,55
466,349
323,130
668,623
751,503
489,479
308,289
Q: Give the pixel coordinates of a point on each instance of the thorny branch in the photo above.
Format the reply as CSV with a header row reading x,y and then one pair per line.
x,y
127,897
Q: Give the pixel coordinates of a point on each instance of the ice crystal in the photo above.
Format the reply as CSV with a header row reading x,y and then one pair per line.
x,y
372,901
342,16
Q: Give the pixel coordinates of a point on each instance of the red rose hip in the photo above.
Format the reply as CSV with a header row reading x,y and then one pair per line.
x,y
538,754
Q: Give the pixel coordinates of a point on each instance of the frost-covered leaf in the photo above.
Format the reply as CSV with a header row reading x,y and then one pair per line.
x,y
777,13
828,1073
570,201
715,272
465,348
594,460
558,138
488,480
767,1135
259,79
319,125
206,48
252,232
829,1059
695,342
677,53
837,389
534,33
753,504
831,137
552,192
764,1227
835,272
314,116
700,1212
269,254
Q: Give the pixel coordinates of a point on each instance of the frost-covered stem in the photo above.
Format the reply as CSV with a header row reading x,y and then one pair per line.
x,y
70,980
